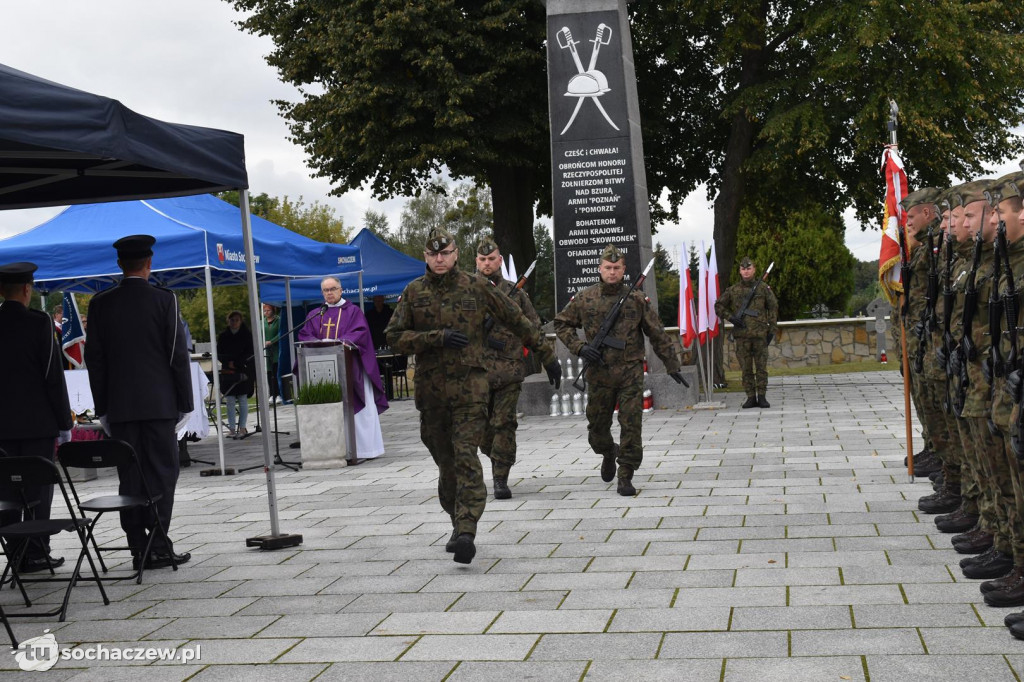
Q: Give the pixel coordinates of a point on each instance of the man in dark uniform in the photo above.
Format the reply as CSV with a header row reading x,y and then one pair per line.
x,y
616,376
34,411
440,317
505,374
139,373
759,328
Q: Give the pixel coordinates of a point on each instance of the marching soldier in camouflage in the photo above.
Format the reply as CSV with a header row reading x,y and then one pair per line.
x,y
760,325
505,373
615,375
440,318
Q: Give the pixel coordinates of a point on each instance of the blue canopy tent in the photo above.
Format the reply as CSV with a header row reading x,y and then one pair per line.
x,y
385,272
61,146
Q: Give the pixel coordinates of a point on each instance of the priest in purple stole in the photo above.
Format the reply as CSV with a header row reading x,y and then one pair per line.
x,y
340,319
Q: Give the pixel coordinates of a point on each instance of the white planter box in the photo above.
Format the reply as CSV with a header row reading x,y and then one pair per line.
x,y
322,436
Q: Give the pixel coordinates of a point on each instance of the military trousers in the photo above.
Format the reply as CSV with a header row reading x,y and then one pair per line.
x,y
1015,503
453,416
499,440
752,352
622,386
994,481
945,440
970,489
917,383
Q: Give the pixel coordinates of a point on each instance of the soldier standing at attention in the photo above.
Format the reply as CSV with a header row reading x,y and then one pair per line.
x,y
753,338
614,375
440,317
505,373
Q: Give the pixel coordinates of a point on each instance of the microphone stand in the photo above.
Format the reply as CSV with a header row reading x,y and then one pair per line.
x,y
294,466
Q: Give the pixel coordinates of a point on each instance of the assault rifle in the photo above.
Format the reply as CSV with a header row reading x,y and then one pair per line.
x,y
948,299
996,368
498,344
737,319
603,337
966,350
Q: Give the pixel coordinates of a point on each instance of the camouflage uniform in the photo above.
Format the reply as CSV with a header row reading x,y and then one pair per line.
x,y
451,383
620,379
918,284
505,374
752,338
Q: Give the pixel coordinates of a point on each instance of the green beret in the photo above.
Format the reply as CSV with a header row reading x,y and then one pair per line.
x,y
439,238
1009,186
486,247
611,254
746,262
969,192
925,195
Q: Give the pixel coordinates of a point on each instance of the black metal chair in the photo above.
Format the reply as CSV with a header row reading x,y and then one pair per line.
x,y
110,453
7,506
22,474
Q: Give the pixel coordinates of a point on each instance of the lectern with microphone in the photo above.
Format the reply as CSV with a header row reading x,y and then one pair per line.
x,y
331,360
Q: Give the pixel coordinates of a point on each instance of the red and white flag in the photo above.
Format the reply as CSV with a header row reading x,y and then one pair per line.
x,y
687,323
713,291
890,276
702,295
72,340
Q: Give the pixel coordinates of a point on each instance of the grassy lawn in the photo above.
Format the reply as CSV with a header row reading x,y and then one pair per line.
x,y
736,383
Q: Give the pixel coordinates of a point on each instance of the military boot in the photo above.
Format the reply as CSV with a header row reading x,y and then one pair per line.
x,y
501,491
608,465
762,402
927,466
1012,594
1017,629
450,545
1013,618
465,550
973,541
995,565
1002,583
751,402
957,522
625,488
943,502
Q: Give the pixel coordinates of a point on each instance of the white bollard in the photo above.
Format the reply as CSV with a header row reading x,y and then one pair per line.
x,y
577,404
554,411
566,405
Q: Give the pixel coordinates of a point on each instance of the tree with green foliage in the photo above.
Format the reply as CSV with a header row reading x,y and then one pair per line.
x,y
316,220
812,264
666,280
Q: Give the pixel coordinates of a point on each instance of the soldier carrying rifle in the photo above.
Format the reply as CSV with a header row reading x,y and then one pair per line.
x,y
751,306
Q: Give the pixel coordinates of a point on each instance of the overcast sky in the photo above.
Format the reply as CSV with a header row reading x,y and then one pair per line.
x,y
186,62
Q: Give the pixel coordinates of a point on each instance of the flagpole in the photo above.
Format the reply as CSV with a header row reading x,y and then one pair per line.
x,y
700,357
892,125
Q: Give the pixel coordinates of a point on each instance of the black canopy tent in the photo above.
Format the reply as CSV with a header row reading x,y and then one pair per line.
x,y
61,146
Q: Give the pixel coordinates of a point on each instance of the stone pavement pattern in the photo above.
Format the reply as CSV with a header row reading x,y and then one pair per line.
x,y
779,544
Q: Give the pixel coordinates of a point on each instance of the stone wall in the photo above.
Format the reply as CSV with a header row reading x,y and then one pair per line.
x,y
809,343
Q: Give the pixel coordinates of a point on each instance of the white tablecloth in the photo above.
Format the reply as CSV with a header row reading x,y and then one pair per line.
x,y
80,395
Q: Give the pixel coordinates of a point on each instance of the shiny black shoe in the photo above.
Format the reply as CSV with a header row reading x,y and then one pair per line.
x,y
501,491
465,550
996,566
40,564
450,545
164,559
751,402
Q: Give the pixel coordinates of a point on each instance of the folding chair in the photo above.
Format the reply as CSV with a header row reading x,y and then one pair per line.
x,y
8,506
27,472
99,454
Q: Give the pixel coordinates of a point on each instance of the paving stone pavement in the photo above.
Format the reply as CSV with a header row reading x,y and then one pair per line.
x,y
778,544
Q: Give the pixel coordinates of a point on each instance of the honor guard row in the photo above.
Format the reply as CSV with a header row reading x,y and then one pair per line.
x,y
960,314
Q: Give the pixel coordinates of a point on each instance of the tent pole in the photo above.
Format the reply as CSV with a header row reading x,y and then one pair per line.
x,y
362,300
275,540
215,367
291,322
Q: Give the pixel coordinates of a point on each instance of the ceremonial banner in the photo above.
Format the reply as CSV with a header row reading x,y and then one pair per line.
x,y
72,336
687,325
890,276
702,295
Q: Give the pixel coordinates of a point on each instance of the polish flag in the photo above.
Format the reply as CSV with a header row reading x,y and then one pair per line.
x,y
713,291
702,295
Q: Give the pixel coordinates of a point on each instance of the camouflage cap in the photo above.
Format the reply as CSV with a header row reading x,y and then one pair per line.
x,y
746,262
486,247
945,199
925,195
438,238
969,192
611,254
1009,186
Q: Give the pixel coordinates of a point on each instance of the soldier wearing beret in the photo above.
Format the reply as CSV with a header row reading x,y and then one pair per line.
x,y
753,338
614,375
506,371
441,319
34,408
922,230
141,385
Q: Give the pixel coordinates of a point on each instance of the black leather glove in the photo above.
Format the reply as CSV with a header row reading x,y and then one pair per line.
x,y
554,370
453,338
678,376
591,354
